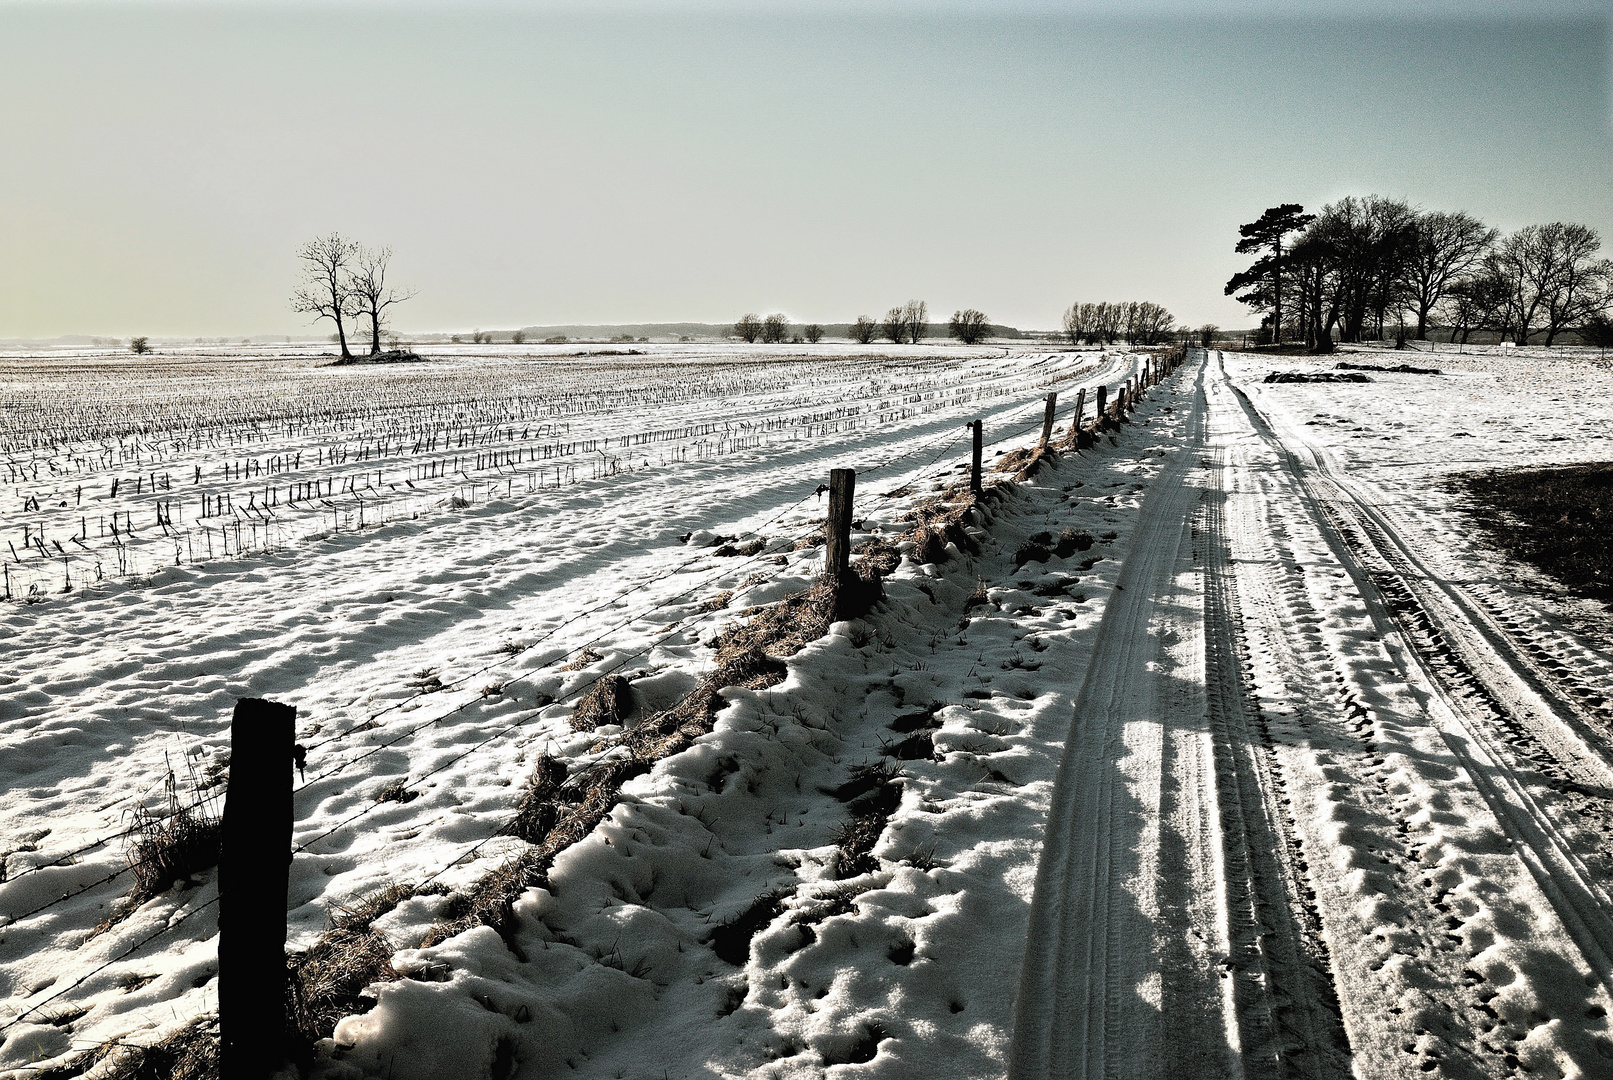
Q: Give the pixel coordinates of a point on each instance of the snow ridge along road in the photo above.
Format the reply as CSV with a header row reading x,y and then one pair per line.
x,y
1325,807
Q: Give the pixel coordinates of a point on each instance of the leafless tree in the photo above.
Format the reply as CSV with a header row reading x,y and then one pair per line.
x,y
1148,323
326,290
1207,334
915,315
1077,322
139,346
1552,275
1583,284
1445,248
1106,319
864,330
1477,302
371,295
968,326
813,332
518,338
895,325
774,329
749,327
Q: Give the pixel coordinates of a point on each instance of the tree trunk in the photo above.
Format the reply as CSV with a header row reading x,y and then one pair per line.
x,y
1277,292
1422,322
341,335
375,334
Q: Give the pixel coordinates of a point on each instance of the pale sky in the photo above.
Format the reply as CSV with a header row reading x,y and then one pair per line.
x,y
657,161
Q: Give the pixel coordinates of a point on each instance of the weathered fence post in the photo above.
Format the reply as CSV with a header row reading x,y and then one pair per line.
x,y
254,870
974,461
1047,418
1103,400
837,530
1074,439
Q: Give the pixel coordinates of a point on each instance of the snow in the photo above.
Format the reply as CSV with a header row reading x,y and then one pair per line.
x,y
1086,720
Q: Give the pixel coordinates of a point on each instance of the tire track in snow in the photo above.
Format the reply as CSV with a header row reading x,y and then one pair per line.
x,y
1467,693
1283,987
1127,928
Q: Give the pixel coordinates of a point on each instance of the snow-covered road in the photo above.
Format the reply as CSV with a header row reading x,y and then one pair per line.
x,y
1399,866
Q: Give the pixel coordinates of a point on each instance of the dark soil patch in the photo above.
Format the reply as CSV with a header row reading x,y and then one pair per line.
x,y
1559,520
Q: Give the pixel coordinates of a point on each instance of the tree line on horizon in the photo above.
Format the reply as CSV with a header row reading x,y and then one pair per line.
x,y
1373,267
1131,321
905,324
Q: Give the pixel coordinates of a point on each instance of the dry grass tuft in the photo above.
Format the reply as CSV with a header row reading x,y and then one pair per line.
x,y
1035,549
1072,540
397,791
166,849
585,658
191,1053
604,704
536,813
326,983
731,941
932,544
718,602
426,681
879,557
360,914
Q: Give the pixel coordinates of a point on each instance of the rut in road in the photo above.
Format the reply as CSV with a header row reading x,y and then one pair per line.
x,y
1313,820
1168,932
1507,737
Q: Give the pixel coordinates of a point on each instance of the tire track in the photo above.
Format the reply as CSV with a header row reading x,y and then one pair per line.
x,y
1287,1004
1486,723
1310,701
1127,927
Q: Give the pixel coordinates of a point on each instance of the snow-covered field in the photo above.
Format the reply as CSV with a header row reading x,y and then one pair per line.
x,y
1287,774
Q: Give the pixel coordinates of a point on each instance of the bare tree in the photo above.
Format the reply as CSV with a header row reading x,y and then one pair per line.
x,y
1476,302
326,290
139,346
371,295
1446,247
1077,319
1207,334
1106,321
915,315
774,329
895,325
1583,285
1148,323
749,327
968,326
864,330
813,332
1551,272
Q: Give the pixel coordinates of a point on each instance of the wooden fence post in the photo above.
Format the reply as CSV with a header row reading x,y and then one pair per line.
x,y
1103,400
837,530
254,870
1075,421
1047,418
974,464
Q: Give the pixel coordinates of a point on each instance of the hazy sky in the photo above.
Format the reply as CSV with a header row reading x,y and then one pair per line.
x,y
615,162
